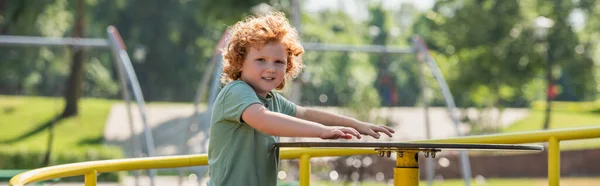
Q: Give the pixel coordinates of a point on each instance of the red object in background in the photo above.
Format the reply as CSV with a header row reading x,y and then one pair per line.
x,y
394,93
552,91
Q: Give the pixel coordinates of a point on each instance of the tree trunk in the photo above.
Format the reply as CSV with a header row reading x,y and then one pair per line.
x,y
549,91
3,5
46,161
75,81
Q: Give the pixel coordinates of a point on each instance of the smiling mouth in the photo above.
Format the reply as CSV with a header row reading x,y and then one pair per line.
x,y
268,78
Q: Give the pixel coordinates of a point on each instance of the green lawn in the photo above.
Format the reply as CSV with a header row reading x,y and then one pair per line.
x,y
561,119
25,119
558,119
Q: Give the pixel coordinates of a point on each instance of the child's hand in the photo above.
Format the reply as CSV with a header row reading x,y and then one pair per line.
x,y
339,132
374,130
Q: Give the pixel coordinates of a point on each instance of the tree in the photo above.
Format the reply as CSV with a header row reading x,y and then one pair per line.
x,y
562,40
490,50
494,57
75,80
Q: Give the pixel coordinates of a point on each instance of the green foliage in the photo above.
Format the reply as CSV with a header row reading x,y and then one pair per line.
x,y
169,42
496,58
486,49
358,80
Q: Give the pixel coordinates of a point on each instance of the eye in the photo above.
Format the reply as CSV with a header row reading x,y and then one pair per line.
x,y
280,62
261,59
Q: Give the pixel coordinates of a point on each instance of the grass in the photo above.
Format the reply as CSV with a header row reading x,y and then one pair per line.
x,y
558,119
561,119
24,122
592,181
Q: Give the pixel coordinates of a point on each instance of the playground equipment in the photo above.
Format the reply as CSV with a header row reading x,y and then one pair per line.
x,y
126,73
90,169
406,172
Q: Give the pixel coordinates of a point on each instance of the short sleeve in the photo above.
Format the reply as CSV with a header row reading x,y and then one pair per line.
x,y
238,97
287,107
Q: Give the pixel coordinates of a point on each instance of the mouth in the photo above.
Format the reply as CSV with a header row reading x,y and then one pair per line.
x,y
268,78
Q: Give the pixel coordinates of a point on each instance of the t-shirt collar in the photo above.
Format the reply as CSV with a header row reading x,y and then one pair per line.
x,y
268,97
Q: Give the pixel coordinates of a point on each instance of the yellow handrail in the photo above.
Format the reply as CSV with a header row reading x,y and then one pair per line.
x,y
527,137
304,154
76,169
82,168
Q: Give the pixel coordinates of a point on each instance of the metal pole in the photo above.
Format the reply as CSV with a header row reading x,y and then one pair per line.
x,y
356,48
297,16
90,178
127,97
406,172
123,58
47,41
305,170
553,161
429,163
464,158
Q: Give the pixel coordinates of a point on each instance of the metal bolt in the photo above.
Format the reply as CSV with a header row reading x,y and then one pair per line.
x,y
433,154
381,153
426,154
389,153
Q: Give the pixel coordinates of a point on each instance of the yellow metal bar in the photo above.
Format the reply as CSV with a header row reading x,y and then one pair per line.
x,y
406,172
295,153
553,161
76,169
91,178
305,170
527,137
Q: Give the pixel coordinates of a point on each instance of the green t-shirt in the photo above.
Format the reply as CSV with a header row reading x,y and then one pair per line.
x,y
237,153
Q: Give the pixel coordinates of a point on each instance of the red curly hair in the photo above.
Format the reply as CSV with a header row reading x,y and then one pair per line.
x,y
256,32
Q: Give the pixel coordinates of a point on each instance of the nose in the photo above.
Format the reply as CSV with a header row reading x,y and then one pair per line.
x,y
270,68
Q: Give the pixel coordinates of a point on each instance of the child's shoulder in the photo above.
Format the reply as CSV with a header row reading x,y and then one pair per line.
x,y
237,86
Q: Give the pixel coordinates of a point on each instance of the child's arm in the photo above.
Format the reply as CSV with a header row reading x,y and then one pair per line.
x,y
278,124
331,119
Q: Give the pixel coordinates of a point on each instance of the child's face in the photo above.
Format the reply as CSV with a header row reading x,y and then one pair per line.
x,y
264,68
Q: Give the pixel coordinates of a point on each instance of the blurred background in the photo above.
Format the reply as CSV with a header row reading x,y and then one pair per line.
x,y
510,66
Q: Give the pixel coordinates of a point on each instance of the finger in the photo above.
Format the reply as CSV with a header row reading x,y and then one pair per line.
x,y
352,131
373,134
384,130
347,136
356,133
389,129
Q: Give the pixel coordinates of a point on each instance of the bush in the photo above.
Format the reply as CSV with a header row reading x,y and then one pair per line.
x,y
24,158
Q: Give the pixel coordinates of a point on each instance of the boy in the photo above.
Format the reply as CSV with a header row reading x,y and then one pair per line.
x,y
248,116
